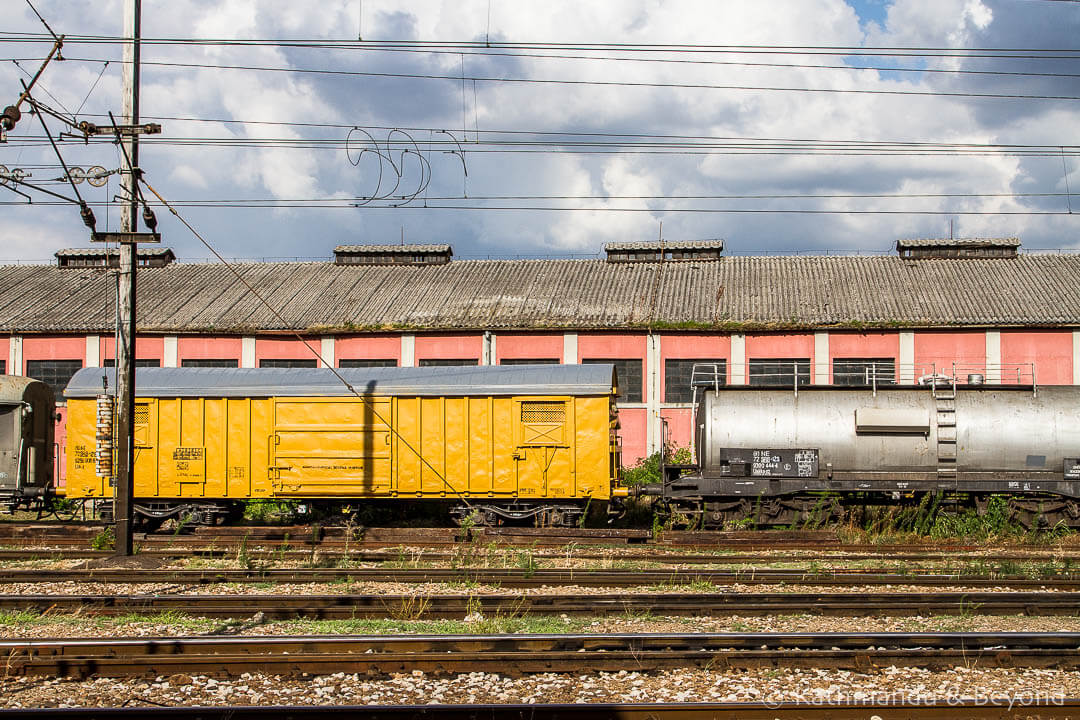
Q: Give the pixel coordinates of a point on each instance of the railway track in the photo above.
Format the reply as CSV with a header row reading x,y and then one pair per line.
x,y
527,578
999,708
431,607
59,535
232,656
328,551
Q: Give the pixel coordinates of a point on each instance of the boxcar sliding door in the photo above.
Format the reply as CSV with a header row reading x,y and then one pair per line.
x,y
330,447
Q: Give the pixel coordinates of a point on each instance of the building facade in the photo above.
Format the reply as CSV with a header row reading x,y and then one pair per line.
x,y
970,309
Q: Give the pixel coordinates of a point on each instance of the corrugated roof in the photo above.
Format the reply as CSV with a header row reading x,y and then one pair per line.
x,y
100,251
666,245
393,249
958,242
596,379
737,292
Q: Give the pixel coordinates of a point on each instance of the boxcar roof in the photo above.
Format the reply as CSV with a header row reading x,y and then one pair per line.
x,y
13,389
598,379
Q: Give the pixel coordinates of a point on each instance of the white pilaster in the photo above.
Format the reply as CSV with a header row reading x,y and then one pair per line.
x,y
408,351
15,366
821,358
907,358
326,349
487,354
93,351
172,354
247,352
993,357
1076,357
569,349
653,435
738,359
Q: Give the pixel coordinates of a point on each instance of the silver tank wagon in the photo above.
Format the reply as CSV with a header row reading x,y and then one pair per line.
x,y
781,450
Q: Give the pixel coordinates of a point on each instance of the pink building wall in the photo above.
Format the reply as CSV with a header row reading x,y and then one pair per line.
x,y
40,347
146,348
863,345
5,354
449,347
942,349
680,421
285,349
781,345
615,347
1049,350
524,346
202,347
693,347
632,430
374,347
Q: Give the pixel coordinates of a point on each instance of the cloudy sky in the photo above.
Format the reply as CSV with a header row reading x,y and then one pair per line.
x,y
523,128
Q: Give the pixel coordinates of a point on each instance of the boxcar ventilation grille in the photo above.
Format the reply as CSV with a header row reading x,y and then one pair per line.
x,y
142,415
552,413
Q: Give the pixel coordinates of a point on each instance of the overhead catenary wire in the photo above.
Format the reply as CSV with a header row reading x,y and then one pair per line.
x,y
367,401
608,83
685,48
900,69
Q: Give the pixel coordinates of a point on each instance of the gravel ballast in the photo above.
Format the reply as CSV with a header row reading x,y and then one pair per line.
x,y
771,686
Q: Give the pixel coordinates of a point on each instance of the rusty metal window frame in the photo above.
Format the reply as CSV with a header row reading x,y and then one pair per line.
x,y
629,372
367,362
288,363
679,375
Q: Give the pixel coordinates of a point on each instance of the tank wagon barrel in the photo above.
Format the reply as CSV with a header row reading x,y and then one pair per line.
x,y
778,453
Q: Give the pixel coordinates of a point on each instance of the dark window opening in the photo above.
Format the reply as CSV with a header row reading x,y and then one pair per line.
x,y
780,372
367,363
864,371
209,363
9,427
528,361
288,363
447,362
3,367
679,377
56,373
629,374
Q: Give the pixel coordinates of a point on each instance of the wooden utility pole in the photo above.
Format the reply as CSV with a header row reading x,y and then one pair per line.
x,y
123,509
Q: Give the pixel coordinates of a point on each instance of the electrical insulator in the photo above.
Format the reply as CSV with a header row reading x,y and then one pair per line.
x,y
148,218
88,217
9,117
103,437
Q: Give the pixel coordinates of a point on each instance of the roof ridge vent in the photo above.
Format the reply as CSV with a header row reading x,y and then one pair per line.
x,y
664,250
100,257
913,248
392,254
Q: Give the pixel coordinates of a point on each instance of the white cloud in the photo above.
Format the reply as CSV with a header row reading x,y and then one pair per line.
x,y
242,165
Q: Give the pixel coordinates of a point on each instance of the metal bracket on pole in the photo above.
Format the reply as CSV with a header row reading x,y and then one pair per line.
x,y
125,237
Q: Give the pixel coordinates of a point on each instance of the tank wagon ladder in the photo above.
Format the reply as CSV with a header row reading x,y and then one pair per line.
x,y
945,403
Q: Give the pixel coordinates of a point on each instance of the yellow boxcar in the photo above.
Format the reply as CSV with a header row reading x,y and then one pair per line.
x,y
504,442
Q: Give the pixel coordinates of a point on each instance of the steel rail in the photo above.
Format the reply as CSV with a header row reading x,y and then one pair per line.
x,y
992,708
515,578
358,552
231,656
430,607
816,541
